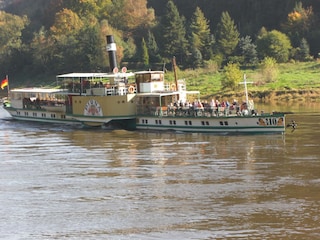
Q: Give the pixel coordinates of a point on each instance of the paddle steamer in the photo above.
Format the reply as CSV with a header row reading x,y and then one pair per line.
x,y
137,101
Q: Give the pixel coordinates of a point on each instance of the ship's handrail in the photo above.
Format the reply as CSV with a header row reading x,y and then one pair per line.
x,y
193,112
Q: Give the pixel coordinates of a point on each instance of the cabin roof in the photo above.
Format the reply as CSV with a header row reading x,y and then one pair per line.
x,y
95,75
161,94
37,90
144,72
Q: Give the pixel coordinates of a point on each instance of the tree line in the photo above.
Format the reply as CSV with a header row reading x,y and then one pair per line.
x,y
58,36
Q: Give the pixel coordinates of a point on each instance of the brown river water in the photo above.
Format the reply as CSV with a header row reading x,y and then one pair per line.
x,y
58,182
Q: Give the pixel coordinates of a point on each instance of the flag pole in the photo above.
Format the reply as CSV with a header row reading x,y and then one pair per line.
x,y
7,77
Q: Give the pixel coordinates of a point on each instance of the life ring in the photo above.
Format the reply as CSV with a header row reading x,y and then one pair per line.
x,y
131,89
199,113
173,87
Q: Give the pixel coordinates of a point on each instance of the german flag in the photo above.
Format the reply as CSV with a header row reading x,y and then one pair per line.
x,y
4,83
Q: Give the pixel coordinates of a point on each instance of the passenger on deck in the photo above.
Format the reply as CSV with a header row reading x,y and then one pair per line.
x,y
213,107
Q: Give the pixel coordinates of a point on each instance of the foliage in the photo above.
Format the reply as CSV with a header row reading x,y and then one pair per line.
x,y
303,51
274,44
248,50
153,49
130,16
227,35
196,60
269,69
69,35
232,76
200,35
66,23
11,27
173,34
299,23
145,54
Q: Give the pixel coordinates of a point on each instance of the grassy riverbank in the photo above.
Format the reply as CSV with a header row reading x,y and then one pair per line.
x,y
295,82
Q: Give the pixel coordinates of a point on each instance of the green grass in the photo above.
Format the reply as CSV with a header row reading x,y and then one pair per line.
x,y
291,76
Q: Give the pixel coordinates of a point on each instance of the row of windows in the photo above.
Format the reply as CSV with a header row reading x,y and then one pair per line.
x,y
187,123
43,115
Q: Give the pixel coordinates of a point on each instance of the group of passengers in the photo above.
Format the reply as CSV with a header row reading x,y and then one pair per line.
x,y
213,107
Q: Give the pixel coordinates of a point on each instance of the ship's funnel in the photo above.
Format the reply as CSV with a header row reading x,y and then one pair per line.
x,y
112,49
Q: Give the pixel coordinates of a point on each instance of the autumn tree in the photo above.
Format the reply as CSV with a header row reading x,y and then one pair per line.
x,y
227,35
78,45
299,23
11,27
173,31
131,15
66,23
83,7
41,48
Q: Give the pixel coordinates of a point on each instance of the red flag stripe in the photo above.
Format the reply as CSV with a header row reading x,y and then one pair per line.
x,y
4,83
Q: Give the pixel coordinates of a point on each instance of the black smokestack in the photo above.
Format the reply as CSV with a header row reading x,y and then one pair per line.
x,y
112,49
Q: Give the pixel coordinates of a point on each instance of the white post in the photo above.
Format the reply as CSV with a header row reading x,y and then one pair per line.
x,y
246,88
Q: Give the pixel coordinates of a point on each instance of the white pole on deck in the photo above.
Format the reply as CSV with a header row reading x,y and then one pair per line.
x,y
245,87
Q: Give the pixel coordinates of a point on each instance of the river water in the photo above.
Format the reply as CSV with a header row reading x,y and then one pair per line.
x,y
71,183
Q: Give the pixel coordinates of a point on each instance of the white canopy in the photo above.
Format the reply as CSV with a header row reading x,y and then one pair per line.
x,y
95,75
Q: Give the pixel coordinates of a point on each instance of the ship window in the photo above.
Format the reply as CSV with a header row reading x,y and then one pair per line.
x,y
203,123
188,123
53,115
173,122
34,114
26,113
221,123
226,123
43,115
63,116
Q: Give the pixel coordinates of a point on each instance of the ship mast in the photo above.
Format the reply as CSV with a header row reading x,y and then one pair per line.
x,y
246,88
175,71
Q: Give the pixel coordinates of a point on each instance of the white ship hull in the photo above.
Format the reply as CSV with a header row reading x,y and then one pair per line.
x,y
221,125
